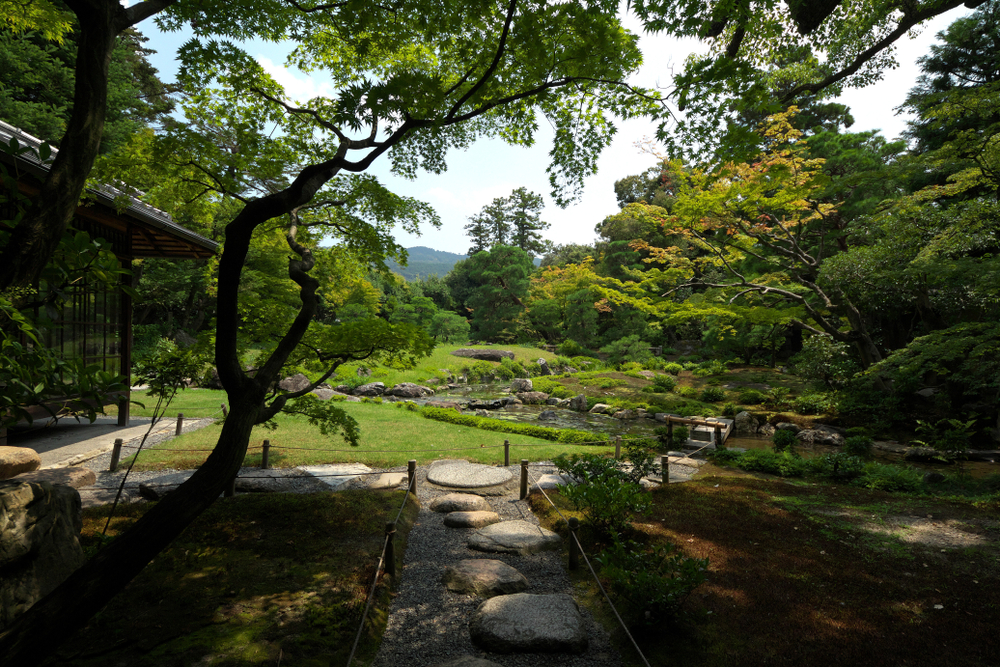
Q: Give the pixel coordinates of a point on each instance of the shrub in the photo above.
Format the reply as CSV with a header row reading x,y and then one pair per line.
x,y
713,367
673,367
814,404
551,387
570,348
603,383
681,435
488,424
629,348
777,397
669,350
690,365
686,391
653,582
713,394
783,441
607,490
480,371
631,366
783,464
858,445
588,363
825,360
751,396
883,477
948,436
731,410
654,363
664,383
510,369
838,466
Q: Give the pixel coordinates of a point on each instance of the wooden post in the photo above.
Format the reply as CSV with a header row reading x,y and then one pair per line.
x,y
116,455
665,469
506,452
524,479
574,552
718,436
411,475
124,411
180,423
230,488
618,446
670,430
265,458
390,549
225,412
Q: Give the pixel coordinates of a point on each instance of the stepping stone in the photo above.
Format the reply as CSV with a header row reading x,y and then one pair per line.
x,y
16,460
514,537
74,476
549,481
484,577
526,623
273,480
158,487
389,480
464,475
337,476
460,502
98,497
467,661
470,519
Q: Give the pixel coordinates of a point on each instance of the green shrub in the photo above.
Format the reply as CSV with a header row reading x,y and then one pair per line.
x,y
510,369
950,437
690,365
481,371
777,397
783,441
551,387
570,348
858,445
884,477
603,383
668,351
686,391
664,383
751,396
585,363
629,348
655,363
681,435
607,490
783,464
673,367
838,466
488,424
653,582
814,404
713,367
631,366
713,394
731,410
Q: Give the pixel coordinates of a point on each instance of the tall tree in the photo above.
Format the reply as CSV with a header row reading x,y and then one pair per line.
x,y
524,210
501,282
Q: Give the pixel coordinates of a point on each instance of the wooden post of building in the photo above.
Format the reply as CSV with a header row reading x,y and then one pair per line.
x,y
506,452
411,475
618,446
665,469
390,548
524,479
116,455
124,411
574,551
180,423
265,457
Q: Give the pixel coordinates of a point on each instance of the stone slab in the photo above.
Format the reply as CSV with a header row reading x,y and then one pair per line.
x,y
274,480
471,519
548,482
514,537
158,487
338,476
75,476
389,480
459,474
484,577
526,623
90,497
460,502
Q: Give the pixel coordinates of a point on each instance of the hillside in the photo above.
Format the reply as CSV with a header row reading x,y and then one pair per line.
x,y
424,261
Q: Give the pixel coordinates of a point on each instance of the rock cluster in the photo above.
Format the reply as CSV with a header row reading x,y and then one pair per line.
x,y
483,355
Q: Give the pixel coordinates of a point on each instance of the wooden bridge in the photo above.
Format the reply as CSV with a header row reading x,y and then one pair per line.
x,y
712,431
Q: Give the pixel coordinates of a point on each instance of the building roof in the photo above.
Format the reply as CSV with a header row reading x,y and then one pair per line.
x,y
153,232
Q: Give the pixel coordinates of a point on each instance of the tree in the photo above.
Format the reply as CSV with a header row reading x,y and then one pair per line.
x,y
569,253
449,327
501,279
412,81
524,209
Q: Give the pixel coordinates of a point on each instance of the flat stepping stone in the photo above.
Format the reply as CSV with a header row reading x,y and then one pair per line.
x,y
483,577
337,476
467,661
389,480
460,502
526,623
549,481
460,474
158,487
74,476
470,519
273,480
98,497
514,537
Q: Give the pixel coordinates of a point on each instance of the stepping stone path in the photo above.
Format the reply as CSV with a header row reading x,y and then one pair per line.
x,y
483,577
523,622
470,519
460,502
338,476
515,537
458,474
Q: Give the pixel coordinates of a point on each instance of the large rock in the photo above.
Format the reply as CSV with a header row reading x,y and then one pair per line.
x,y
517,385
578,403
483,355
526,623
788,426
296,382
744,424
409,390
514,537
39,542
16,460
626,414
544,367
471,519
460,502
533,397
370,389
75,476
547,415
484,577
601,409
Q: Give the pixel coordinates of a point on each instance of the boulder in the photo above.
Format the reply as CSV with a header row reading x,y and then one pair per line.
x,y
323,394
409,390
526,623
484,577
482,413
296,382
549,481
578,403
533,397
370,389
547,415
601,409
933,478
744,424
514,537
483,355
17,460
75,476
460,502
450,405
787,426
517,385
766,430
551,400
364,372
563,403
478,519
433,381
344,389
626,414
39,542
338,476
920,454
544,366
389,481
275,480
570,369
494,404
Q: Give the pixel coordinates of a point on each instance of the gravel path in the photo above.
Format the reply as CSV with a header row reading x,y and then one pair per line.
x,y
429,624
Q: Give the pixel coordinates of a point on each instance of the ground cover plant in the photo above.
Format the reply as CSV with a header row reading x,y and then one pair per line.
x,y
816,574
258,579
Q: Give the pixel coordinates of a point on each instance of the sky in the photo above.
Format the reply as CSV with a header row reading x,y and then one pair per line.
x,y
491,168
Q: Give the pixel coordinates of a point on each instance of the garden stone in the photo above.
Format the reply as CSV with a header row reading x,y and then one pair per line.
x,y
483,577
482,413
528,623
549,481
546,415
625,414
338,476
467,661
600,409
570,369
563,403
364,372
552,400
933,478
495,404
158,487
514,537
370,389
75,476
544,366
920,454
744,424
16,460
578,403
533,397
787,426
389,480
433,381
649,375
766,430
274,480
517,385
344,389
456,473
460,502
483,355
471,519
296,382
409,390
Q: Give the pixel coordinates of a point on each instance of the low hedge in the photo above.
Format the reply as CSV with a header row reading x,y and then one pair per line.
x,y
565,435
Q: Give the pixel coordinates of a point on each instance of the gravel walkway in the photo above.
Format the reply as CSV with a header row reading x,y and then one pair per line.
x,y
429,624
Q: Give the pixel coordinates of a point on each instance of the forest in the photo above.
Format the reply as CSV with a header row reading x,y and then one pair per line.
x,y
767,235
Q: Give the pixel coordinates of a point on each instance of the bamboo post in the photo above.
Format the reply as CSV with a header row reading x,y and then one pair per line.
x,y
411,475
574,551
225,412
180,423
665,469
524,479
618,446
390,548
506,452
116,455
265,458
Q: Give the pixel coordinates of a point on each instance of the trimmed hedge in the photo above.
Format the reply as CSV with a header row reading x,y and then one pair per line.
x,y
565,435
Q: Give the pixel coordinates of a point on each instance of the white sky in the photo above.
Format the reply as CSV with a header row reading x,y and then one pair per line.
x,y
493,169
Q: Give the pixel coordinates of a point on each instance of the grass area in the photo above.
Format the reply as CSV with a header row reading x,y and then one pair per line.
x,y
390,436
190,402
258,579
813,574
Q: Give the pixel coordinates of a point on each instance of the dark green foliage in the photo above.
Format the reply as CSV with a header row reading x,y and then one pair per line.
x,y
712,394
664,383
826,361
858,445
783,464
815,404
950,437
681,435
487,424
783,441
884,477
551,387
673,367
840,466
731,410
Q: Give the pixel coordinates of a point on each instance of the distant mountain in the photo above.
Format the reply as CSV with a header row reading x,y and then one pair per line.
x,y
424,261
